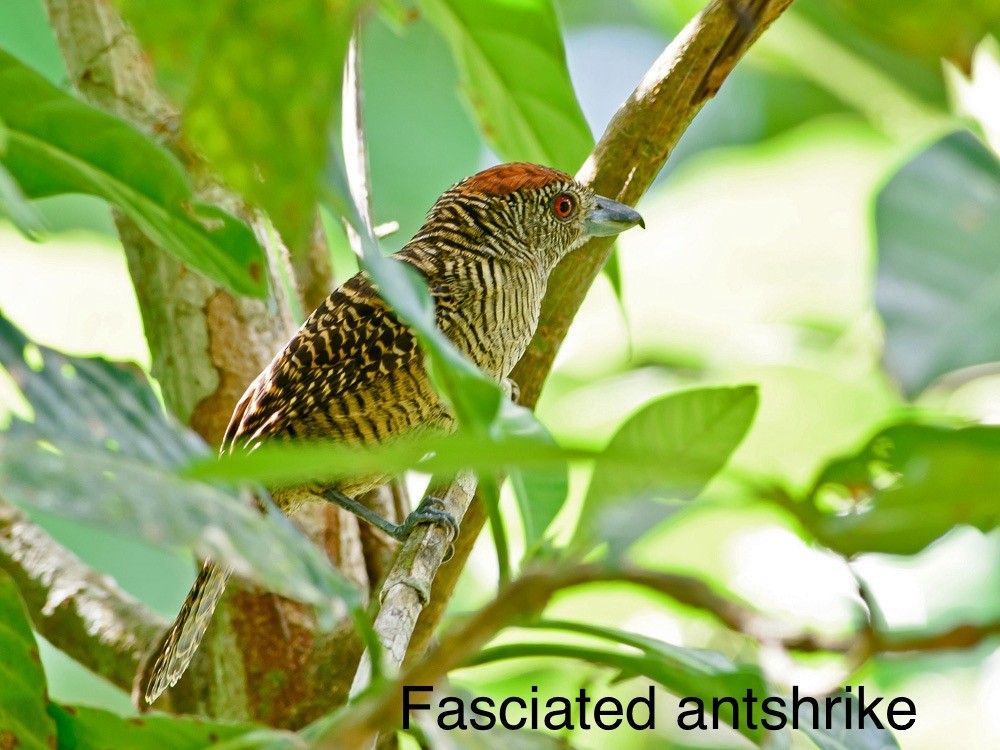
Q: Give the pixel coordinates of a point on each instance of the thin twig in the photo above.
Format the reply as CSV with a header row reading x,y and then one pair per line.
x,y
530,593
623,165
407,585
355,143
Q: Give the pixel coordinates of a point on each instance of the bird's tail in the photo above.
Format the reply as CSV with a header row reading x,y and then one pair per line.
x,y
177,649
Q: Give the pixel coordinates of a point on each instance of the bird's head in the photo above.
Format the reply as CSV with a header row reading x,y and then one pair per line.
x,y
526,210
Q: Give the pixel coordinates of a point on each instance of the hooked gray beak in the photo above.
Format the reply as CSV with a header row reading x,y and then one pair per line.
x,y
610,218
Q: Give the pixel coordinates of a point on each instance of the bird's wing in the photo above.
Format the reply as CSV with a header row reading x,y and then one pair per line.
x,y
333,376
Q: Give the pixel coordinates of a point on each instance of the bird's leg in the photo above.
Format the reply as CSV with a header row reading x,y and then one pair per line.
x,y
430,510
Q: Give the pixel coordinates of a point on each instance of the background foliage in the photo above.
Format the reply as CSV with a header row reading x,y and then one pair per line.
x,y
825,232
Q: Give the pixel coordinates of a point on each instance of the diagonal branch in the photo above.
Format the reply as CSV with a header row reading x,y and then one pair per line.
x,y
80,611
528,595
623,165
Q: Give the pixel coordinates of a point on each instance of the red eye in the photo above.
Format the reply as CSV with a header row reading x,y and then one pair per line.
x,y
564,205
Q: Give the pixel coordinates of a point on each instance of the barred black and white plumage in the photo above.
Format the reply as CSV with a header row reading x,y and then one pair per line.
x,y
353,373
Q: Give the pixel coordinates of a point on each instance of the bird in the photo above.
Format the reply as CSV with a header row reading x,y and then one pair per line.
x,y
353,373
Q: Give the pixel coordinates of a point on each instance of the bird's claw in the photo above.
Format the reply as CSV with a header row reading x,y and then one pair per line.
x,y
431,510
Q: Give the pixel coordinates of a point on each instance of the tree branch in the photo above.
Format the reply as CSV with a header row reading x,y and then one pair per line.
x,y
529,594
623,165
79,611
407,587
207,345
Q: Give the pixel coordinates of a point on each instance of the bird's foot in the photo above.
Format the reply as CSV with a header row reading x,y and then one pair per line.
x,y
430,510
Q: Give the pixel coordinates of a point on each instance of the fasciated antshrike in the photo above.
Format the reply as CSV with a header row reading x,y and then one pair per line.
x,y
354,374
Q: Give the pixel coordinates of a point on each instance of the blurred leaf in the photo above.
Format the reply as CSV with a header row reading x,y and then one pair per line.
x,y
174,35
16,207
684,672
540,491
918,76
57,144
24,724
265,739
396,13
82,728
101,450
489,490
651,462
837,736
263,99
474,398
691,433
497,738
938,225
514,75
13,204
909,485
926,29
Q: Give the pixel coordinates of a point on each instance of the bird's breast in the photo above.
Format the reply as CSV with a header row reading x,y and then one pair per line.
x,y
490,311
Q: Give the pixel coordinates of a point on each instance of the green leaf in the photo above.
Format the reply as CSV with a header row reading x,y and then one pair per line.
x,y
927,30
82,728
919,79
513,66
101,450
541,490
24,724
474,398
906,487
683,671
57,144
265,739
16,207
938,223
691,433
174,35
263,100
489,491
837,736
498,738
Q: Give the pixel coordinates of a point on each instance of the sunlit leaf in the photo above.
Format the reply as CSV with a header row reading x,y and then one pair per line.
x,y
13,203
497,738
57,144
514,74
23,720
906,487
691,433
474,398
541,490
938,224
926,29
684,672
100,449
174,36
836,735
263,99
82,728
